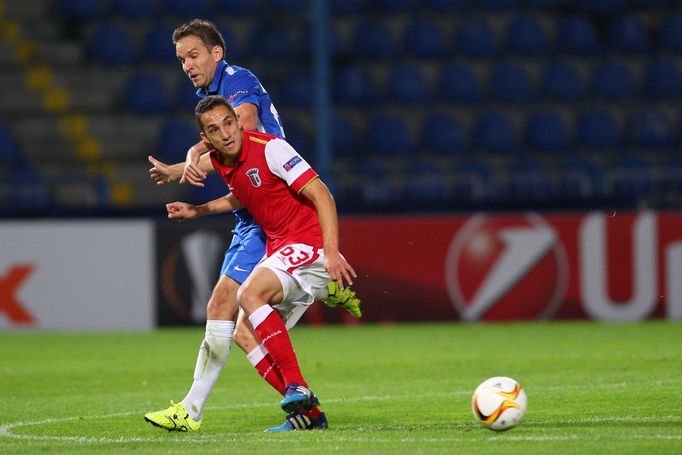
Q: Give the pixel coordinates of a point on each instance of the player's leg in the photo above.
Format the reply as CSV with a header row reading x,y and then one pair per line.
x,y
213,353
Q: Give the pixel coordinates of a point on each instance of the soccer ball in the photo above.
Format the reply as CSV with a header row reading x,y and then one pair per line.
x,y
499,403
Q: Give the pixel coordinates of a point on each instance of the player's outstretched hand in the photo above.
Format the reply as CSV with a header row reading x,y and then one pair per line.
x,y
181,211
159,172
193,175
339,269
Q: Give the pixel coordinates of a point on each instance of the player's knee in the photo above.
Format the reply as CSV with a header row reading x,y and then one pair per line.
x,y
223,301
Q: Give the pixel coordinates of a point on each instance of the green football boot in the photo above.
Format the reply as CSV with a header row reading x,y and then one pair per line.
x,y
174,418
344,298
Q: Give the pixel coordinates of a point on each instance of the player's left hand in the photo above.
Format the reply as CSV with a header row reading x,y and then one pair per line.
x,y
339,269
181,211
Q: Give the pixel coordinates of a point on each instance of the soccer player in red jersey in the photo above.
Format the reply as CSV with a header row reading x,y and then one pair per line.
x,y
297,212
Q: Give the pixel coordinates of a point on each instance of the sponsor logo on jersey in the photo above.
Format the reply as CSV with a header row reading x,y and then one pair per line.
x,y
232,97
254,177
289,165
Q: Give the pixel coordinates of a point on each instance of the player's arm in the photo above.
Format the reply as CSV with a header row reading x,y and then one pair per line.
x,y
181,211
247,116
163,173
339,269
197,164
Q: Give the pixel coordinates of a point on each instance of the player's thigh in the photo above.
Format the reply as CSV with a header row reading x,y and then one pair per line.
x,y
244,253
262,287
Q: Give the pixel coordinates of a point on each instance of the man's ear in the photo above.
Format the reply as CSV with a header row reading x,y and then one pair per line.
x,y
218,53
205,140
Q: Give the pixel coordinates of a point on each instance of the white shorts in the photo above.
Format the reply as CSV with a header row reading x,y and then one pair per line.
x,y
300,269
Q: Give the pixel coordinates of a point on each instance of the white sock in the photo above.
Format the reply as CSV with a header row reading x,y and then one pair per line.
x,y
213,354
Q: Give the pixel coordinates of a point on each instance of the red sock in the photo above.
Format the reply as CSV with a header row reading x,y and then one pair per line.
x,y
269,371
313,413
273,333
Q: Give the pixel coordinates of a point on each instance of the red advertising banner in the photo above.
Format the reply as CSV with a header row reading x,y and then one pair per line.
x,y
494,267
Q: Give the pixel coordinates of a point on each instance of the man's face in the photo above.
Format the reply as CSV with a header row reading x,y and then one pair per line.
x,y
222,131
198,62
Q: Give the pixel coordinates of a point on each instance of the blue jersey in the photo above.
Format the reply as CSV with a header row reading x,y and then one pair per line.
x,y
239,86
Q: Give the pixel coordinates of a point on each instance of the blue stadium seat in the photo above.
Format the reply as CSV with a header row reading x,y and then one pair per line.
x,y
428,187
613,81
235,48
372,40
175,138
526,36
528,181
546,131
112,44
630,178
185,98
458,83
287,6
274,43
389,135
301,139
392,6
597,129
10,150
577,36
423,38
602,6
476,38
30,190
297,91
495,132
626,33
662,79
158,44
447,5
83,9
650,128
347,139
146,94
187,10
354,85
500,5
562,82
345,7
669,33
406,84
443,134
135,9
241,8
510,83
581,178
549,3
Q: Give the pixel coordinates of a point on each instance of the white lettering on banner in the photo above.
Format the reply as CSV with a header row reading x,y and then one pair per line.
x,y
198,248
674,280
523,248
593,267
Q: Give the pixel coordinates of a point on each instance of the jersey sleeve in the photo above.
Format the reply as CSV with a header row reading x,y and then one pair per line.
x,y
286,163
243,87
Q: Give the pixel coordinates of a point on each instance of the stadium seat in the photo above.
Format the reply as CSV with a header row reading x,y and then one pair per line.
x,y
175,138
577,36
528,181
447,5
392,6
662,79
406,84
185,9
158,44
613,81
83,9
509,83
345,7
427,187
597,129
546,131
112,44
561,82
626,33
443,134
389,135
10,150
297,91
347,139
274,43
186,98
549,3
241,8
30,190
287,6
301,139
650,128
476,38
495,132
602,6
235,48
424,39
630,179
372,40
526,36
581,178
135,9
500,5
146,94
669,33
354,85
458,83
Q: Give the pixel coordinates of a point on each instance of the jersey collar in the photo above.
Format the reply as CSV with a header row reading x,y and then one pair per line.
x,y
217,79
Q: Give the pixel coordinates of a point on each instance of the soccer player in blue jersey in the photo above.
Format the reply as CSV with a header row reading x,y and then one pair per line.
x,y
200,48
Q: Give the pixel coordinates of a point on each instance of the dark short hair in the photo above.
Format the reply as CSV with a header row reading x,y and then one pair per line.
x,y
210,103
205,30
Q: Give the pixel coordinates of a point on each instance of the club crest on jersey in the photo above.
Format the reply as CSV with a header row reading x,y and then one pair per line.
x,y
291,163
254,177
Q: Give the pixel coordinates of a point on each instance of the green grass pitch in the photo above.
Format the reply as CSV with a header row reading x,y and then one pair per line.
x,y
592,388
